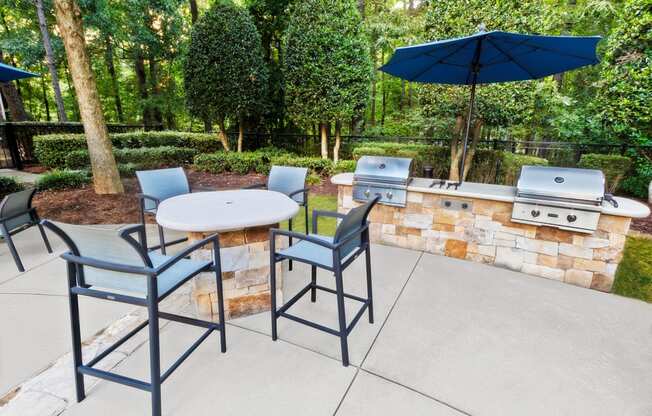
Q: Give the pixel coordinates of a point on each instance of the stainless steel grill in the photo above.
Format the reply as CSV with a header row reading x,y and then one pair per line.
x,y
565,198
384,176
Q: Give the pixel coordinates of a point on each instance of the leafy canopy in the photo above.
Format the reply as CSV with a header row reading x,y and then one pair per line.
x,y
224,72
327,65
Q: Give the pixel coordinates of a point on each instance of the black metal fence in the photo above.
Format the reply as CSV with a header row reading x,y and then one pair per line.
x,y
16,139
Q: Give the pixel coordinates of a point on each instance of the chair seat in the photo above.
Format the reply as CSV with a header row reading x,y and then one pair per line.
x,y
137,284
311,252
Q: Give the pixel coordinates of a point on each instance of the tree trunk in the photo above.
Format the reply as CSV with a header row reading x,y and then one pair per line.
x,y
141,76
14,100
110,66
323,130
475,138
47,44
106,178
45,100
401,102
222,135
361,8
372,110
156,91
456,153
71,92
194,12
208,126
338,141
240,133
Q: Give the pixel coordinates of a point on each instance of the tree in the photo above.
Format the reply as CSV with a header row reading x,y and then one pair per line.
x,y
327,65
52,66
106,178
224,72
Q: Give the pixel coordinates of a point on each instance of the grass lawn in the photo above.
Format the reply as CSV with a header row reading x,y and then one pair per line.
x,y
633,278
321,203
634,275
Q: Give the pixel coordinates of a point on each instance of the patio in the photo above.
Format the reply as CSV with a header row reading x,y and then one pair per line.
x,y
451,337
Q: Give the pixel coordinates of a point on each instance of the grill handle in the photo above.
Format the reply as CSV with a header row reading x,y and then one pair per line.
x,y
610,198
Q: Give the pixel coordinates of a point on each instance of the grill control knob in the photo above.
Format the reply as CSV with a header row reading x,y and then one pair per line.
x,y
390,195
535,213
571,218
367,193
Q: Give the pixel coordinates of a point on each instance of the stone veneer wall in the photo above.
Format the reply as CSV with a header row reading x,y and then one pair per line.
x,y
485,234
245,274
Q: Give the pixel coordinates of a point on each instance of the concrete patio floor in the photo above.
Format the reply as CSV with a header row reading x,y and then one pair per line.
x,y
451,338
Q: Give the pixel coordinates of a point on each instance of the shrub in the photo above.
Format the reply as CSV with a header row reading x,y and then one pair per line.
x,y
637,184
212,162
241,163
319,166
51,150
8,185
63,179
358,152
144,157
614,167
344,166
511,164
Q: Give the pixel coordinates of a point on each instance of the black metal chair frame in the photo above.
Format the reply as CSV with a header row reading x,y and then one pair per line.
x,y
7,234
303,204
338,267
78,287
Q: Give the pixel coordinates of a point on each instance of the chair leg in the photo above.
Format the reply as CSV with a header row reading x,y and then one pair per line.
x,y
290,243
73,303
161,238
369,291
220,308
305,211
341,315
272,288
313,290
45,238
154,353
12,247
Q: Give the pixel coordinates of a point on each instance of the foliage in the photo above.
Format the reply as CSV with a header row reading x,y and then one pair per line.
x,y
638,183
142,157
51,150
511,164
614,167
8,185
634,274
259,162
344,166
327,67
63,179
224,72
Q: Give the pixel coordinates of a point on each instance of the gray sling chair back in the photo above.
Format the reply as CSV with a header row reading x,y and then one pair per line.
x,y
16,215
291,181
333,254
156,186
117,267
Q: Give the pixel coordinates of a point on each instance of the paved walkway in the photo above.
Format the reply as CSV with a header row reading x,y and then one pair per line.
x,y
20,175
451,338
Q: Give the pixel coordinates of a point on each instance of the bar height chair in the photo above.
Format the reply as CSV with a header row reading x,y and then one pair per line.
x,y
334,254
157,185
117,267
291,181
16,215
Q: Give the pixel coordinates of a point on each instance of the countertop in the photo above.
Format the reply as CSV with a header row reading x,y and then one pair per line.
x,y
503,193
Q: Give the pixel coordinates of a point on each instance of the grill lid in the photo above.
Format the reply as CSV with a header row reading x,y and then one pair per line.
x,y
383,169
561,183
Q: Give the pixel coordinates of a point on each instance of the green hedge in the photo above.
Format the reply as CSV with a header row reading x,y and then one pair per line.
x,y
614,167
51,150
8,185
638,182
143,158
511,164
63,179
261,162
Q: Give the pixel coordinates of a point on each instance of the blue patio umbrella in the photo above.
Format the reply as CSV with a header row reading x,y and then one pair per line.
x,y
10,73
491,57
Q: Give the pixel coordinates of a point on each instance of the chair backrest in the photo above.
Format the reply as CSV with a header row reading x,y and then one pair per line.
x,y
162,184
14,204
287,179
104,244
351,223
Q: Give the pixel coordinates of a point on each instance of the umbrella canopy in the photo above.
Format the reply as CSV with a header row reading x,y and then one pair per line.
x,y
490,57
10,73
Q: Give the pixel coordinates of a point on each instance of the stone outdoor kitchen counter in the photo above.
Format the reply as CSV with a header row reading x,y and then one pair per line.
x,y
485,233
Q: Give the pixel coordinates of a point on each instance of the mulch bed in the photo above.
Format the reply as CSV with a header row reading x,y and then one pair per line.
x,y
83,206
643,225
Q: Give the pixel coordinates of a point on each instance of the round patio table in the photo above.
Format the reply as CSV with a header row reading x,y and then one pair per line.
x,y
242,218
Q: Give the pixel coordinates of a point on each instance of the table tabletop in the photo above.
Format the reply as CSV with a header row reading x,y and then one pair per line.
x,y
221,211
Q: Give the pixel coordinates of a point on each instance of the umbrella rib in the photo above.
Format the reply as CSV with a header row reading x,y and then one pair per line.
x,y
512,58
440,60
524,42
572,55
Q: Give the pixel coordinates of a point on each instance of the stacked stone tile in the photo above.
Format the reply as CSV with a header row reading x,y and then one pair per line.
x,y
484,233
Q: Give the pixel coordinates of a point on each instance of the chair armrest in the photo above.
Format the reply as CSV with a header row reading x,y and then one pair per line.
x,y
256,186
351,236
213,238
107,265
276,231
143,197
299,191
316,214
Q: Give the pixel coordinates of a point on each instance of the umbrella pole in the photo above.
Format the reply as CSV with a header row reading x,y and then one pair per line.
x,y
468,129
